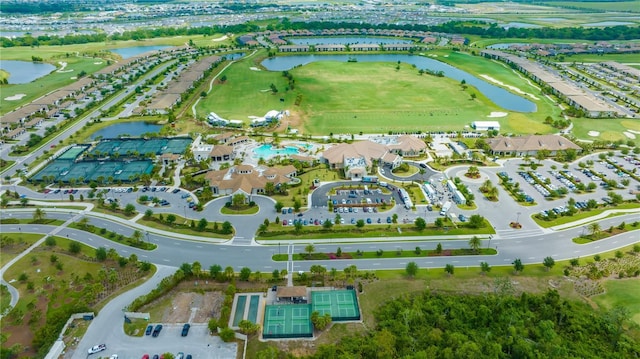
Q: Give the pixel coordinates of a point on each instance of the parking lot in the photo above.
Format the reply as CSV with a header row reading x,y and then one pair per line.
x,y
198,343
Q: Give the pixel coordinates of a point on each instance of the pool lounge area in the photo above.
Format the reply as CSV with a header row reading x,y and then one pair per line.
x,y
268,151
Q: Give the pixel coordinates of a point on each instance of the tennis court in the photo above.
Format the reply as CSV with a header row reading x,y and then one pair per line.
x,y
340,304
73,152
65,170
287,321
156,146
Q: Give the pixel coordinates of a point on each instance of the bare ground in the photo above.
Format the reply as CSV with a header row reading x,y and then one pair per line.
x,y
183,305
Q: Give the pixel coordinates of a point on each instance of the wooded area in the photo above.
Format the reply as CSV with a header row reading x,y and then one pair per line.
x,y
433,325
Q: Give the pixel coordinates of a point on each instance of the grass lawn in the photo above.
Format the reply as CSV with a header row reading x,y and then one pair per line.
x,y
16,244
136,328
278,232
625,6
610,129
352,97
581,215
182,226
411,170
387,254
622,292
233,211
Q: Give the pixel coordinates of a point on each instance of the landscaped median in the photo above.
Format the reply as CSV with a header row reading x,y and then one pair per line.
x,y
275,231
417,253
176,224
564,219
595,232
136,240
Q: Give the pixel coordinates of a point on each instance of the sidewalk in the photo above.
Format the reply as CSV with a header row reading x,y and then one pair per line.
x,y
602,215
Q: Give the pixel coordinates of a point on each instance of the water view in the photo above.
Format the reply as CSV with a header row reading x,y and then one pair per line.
x,y
499,96
128,52
345,40
267,151
608,23
132,129
22,72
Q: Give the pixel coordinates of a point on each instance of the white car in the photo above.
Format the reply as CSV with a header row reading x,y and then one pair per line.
x,y
97,348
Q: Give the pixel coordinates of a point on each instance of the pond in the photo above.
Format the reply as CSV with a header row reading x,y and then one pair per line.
x,y
608,23
520,25
128,52
505,45
345,40
132,129
499,96
22,72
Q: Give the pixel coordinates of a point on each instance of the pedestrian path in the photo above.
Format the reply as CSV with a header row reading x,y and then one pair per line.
x,y
518,233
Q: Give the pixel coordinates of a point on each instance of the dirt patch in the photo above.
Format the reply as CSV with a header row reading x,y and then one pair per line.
x,y
294,120
193,307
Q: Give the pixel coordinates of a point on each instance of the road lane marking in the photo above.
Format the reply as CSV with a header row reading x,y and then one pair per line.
x,y
166,260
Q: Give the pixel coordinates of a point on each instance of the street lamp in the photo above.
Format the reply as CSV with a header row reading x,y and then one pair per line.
x,y
518,218
489,245
147,233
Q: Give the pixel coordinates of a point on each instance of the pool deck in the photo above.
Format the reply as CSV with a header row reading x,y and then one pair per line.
x,y
247,307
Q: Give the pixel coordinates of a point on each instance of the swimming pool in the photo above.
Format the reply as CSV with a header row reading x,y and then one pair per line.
x,y
267,151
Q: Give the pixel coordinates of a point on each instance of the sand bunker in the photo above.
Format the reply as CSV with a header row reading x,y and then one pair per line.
x,y
593,133
254,69
220,38
629,135
74,77
498,114
15,97
62,68
632,131
98,63
512,88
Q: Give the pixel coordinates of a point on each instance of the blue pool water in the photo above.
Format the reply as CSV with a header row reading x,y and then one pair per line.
x,y
268,151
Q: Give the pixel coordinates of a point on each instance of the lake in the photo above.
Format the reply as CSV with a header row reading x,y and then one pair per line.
x,y
497,95
520,25
133,129
127,52
503,46
22,72
345,40
608,23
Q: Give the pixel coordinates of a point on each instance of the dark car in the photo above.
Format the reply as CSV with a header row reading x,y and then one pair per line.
x,y
176,190
156,330
149,330
185,329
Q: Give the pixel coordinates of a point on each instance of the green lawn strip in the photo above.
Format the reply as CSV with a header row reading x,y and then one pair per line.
x,y
183,226
136,328
581,215
48,222
609,232
107,210
4,164
624,293
278,232
408,173
118,238
232,211
13,244
388,254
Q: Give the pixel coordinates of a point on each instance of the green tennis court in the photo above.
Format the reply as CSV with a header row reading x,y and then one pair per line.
x,y
340,304
140,146
287,321
73,152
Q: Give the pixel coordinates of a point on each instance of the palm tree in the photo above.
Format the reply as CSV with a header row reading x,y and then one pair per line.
x,y
39,214
594,228
310,248
474,244
229,273
136,236
83,222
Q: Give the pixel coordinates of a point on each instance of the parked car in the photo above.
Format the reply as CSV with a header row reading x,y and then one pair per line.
x,y
157,330
97,348
185,329
176,190
180,355
149,330
146,356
